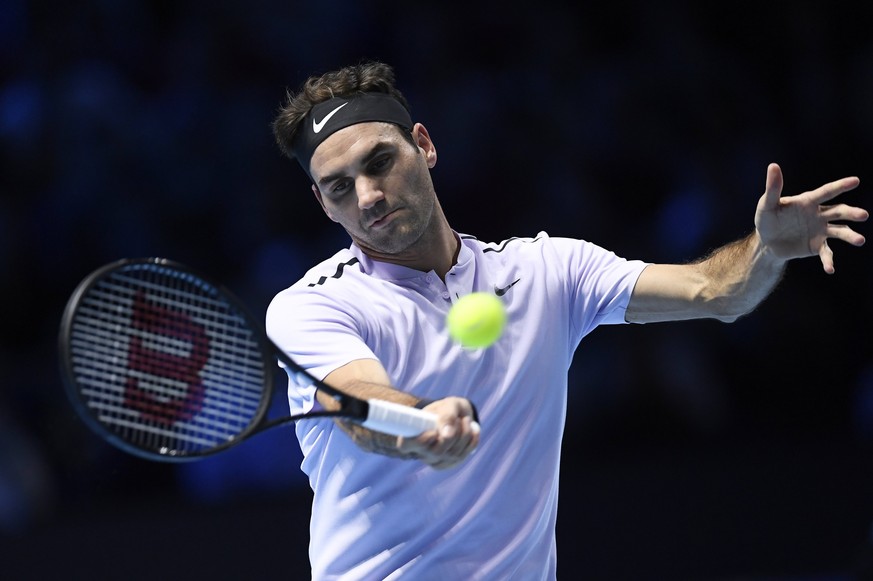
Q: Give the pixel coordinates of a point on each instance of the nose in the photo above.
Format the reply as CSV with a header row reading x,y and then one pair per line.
x,y
369,192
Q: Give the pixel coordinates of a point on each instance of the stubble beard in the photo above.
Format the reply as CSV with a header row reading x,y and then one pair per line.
x,y
403,234
412,228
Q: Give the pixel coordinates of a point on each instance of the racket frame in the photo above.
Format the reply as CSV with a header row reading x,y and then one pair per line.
x,y
350,406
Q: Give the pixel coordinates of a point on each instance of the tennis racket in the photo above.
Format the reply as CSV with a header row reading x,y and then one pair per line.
x,y
169,366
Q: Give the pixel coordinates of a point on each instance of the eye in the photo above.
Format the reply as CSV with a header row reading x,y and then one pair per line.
x,y
340,187
381,164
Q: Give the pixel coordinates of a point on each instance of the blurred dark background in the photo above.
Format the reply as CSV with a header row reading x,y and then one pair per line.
x,y
693,450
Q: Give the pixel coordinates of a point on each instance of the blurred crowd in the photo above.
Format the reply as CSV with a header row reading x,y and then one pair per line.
x,y
134,128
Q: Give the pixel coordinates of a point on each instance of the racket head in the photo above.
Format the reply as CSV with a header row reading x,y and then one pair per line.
x,y
162,362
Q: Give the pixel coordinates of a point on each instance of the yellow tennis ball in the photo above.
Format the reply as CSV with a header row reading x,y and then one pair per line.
x,y
476,320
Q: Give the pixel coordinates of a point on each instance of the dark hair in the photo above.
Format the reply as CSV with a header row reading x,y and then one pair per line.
x,y
366,77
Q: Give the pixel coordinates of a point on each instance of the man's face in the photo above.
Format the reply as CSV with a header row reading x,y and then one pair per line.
x,y
377,185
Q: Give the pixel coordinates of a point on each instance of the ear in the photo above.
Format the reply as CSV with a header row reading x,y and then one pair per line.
x,y
321,202
424,142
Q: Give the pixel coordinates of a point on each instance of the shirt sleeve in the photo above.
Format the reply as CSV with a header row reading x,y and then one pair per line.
x,y
318,332
599,283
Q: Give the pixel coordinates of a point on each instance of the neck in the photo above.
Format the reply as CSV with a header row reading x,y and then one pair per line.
x,y
436,250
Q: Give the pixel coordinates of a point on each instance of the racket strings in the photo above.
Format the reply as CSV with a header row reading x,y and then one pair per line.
x,y
164,362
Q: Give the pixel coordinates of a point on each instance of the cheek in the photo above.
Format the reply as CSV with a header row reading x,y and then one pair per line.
x,y
343,214
330,212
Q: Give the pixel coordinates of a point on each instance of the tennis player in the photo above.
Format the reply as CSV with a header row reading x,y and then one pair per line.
x,y
455,503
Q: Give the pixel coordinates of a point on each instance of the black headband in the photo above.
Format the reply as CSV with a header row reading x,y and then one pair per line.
x,y
328,117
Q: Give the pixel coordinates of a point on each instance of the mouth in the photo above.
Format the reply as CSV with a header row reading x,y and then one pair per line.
x,y
385,219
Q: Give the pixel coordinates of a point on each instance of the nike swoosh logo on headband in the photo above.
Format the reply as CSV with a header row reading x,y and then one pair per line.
x,y
317,127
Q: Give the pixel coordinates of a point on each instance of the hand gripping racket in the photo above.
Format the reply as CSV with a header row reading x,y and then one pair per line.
x,y
167,365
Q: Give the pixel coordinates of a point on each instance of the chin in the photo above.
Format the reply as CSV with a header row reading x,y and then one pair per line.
x,y
391,241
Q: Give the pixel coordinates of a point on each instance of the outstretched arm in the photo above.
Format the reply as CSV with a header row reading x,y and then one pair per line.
x,y
734,279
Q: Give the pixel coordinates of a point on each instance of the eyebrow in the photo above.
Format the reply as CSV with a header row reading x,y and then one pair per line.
x,y
375,151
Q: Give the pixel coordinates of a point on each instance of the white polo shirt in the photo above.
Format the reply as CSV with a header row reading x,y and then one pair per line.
x,y
492,517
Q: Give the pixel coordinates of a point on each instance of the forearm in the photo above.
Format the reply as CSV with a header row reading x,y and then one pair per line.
x,y
366,439
454,437
725,285
738,277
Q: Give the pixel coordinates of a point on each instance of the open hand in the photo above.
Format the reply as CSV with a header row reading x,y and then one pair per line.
x,y
798,226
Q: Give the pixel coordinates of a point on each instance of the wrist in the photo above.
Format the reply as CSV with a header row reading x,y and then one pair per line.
x,y
423,403
766,253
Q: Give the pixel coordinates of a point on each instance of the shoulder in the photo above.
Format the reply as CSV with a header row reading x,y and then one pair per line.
x,y
343,264
539,249
334,283
511,246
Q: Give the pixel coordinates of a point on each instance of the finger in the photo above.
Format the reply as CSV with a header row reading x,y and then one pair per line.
x,y
834,189
844,212
444,464
448,461
420,444
846,234
474,438
448,430
827,258
462,445
474,442
451,446
457,450
773,189
442,459
443,438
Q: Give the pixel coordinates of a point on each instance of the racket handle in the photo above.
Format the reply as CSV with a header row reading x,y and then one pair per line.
x,y
400,420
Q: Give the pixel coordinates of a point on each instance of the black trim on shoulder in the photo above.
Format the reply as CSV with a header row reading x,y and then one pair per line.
x,y
507,241
337,274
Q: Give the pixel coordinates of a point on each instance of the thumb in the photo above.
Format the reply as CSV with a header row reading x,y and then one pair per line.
x,y
773,189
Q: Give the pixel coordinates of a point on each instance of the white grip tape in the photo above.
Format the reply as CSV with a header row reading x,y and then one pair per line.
x,y
396,419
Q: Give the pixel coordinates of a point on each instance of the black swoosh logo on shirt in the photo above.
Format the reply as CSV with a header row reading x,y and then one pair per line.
x,y
502,291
